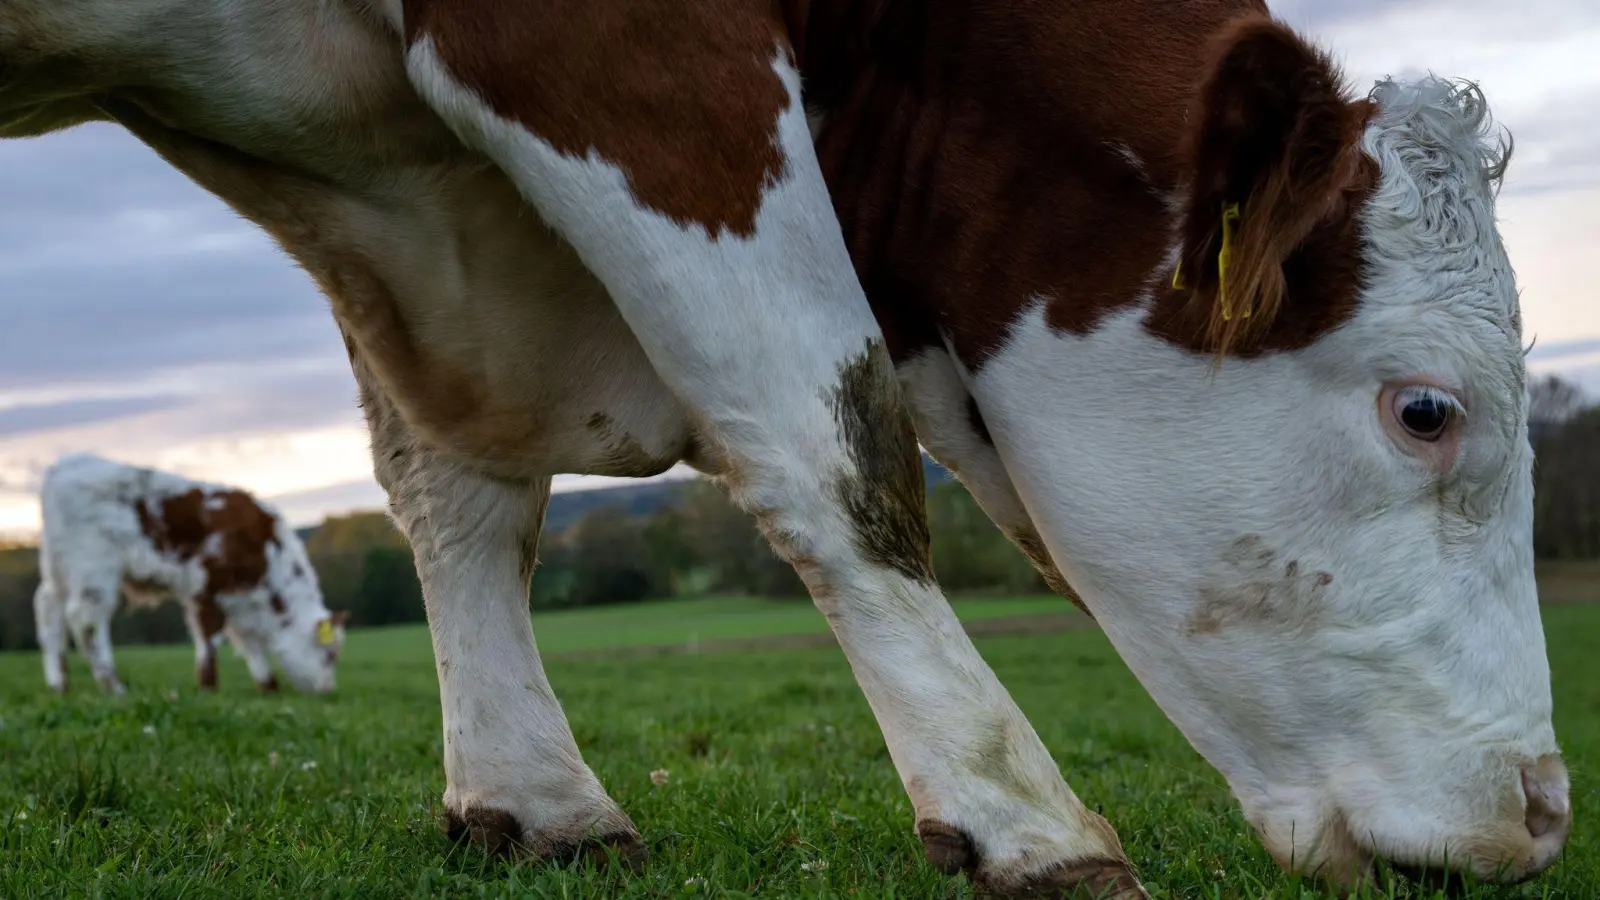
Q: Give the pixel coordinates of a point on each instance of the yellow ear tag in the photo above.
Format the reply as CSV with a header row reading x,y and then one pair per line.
x,y
325,631
1230,220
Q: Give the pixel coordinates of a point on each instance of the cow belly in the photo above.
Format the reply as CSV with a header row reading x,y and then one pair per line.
x,y
497,344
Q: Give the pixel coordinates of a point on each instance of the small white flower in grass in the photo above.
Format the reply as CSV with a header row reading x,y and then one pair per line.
x,y
172,695
22,815
150,730
658,777
308,765
272,759
816,865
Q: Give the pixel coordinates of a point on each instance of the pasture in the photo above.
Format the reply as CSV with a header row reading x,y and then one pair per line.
x,y
752,765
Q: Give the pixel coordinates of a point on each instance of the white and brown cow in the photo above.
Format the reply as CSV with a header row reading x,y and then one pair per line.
x,y
232,561
1233,353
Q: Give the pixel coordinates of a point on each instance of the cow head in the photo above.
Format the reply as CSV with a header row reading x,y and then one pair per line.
x,y
308,651
1294,486
308,638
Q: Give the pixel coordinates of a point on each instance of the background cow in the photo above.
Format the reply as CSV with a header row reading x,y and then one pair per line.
x,y
234,563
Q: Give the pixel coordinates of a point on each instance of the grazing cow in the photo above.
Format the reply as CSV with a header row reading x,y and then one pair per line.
x,y
1232,353
233,562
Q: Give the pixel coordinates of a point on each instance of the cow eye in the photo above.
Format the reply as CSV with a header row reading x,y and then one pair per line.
x,y
1425,412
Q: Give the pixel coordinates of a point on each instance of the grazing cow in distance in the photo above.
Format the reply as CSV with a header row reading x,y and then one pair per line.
x,y
232,561
1231,352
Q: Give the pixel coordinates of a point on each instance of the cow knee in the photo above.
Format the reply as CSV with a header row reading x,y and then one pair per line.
x,y
883,496
865,487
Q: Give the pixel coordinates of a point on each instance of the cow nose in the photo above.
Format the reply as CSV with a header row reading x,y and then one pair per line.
x,y
1549,815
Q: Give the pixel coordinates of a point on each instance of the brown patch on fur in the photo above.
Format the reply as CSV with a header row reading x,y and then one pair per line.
x,y
884,496
1278,135
205,672
500,834
682,97
208,614
1248,588
951,851
277,603
985,157
238,530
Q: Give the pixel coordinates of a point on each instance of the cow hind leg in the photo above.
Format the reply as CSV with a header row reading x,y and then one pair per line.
x,y
744,298
50,622
89,612
514,778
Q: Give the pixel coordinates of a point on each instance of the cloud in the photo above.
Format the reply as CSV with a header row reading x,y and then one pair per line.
x,y
26,418
146,320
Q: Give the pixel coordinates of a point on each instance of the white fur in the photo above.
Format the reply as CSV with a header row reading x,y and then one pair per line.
x,y
1400,699
756,376
1375,701
92,542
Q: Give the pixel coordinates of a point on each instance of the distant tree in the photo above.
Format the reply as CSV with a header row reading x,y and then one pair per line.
x,y
727,539
675,562
354,532
1566,510
390,593
1552,400
609,559
969,552
16,610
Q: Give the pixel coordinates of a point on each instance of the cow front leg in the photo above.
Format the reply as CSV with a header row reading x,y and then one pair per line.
x,y
205,650
254,652
733,275
514,778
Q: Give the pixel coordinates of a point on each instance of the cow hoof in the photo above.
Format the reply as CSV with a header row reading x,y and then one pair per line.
x,y
950,850
500,834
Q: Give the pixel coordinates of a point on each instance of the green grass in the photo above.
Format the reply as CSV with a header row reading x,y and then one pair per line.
x,y
775,765
684,622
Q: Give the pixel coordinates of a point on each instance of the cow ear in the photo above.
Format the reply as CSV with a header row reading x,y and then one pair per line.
x,y
340,617
1274,145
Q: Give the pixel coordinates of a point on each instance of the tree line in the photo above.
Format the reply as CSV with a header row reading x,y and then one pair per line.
x,y
689,540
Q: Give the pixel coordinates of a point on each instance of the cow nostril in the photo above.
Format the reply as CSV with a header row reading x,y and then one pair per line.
x,y
1549,813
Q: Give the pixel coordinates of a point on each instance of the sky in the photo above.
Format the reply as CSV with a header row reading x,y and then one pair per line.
x,y
145,321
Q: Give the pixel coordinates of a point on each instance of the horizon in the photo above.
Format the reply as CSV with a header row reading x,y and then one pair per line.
x,y
147,322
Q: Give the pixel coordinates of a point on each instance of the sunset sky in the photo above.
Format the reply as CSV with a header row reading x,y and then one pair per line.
x,y
145,321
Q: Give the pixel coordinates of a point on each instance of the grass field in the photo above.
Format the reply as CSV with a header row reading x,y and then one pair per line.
x,y
778,784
